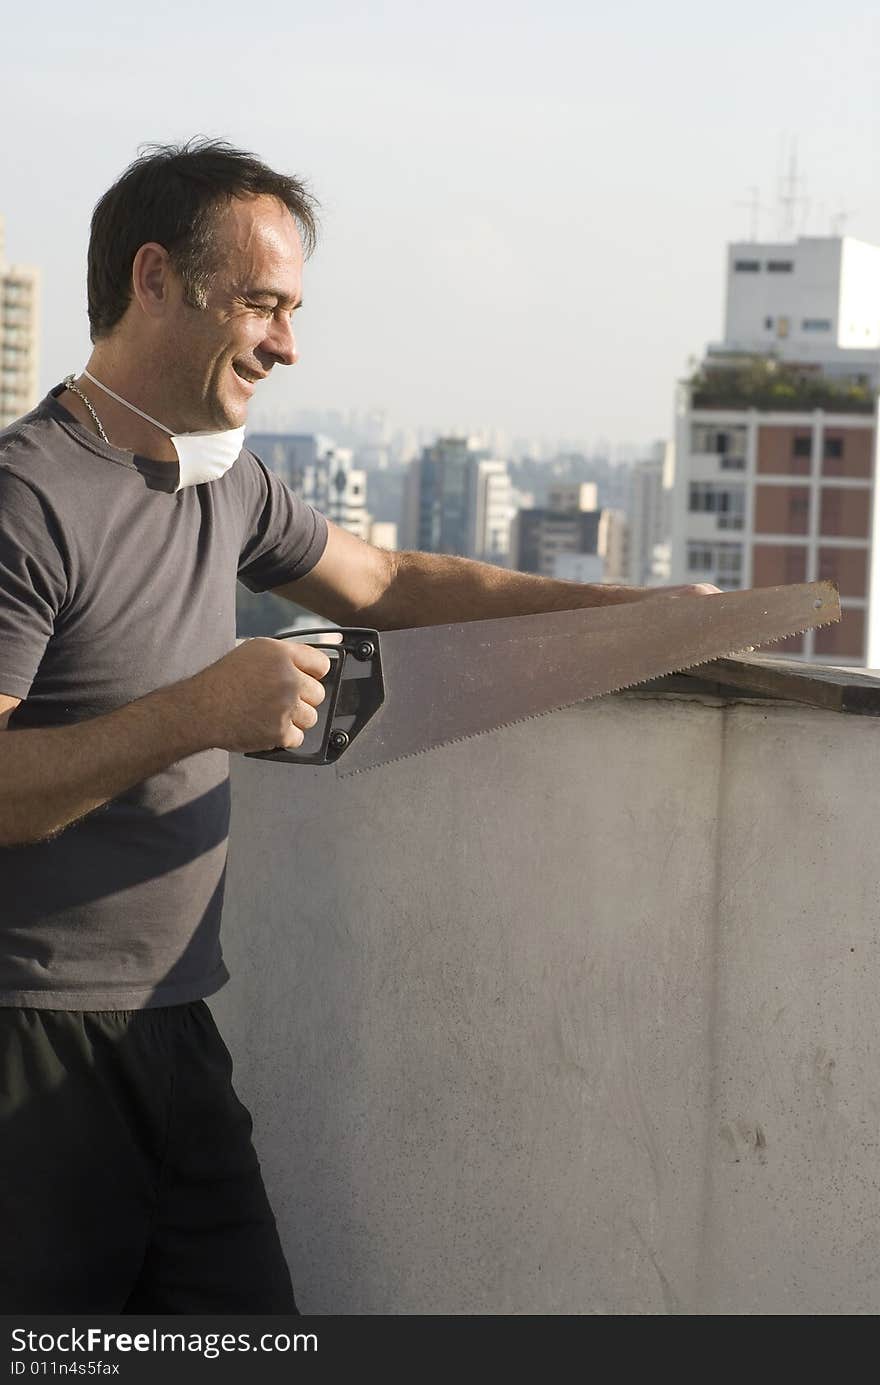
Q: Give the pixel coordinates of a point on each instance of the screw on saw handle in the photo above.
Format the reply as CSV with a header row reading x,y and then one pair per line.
x,y
354,691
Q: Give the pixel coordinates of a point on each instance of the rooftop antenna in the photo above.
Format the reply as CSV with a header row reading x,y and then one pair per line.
x,y
790,196
754,206
839,220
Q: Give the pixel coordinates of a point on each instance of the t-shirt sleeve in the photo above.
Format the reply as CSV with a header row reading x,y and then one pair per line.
x,y
33,583
283,536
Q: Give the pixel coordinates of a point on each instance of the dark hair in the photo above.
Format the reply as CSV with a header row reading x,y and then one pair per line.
x,y
171,194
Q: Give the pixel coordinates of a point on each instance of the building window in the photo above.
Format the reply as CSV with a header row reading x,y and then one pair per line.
x,y
780,266
698,497
699,559
703,498
728,564
747,266
801,445
722,442
731,512
816,324
728,504
832,447
721,561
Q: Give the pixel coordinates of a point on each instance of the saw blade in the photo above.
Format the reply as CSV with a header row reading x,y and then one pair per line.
x,y
447,683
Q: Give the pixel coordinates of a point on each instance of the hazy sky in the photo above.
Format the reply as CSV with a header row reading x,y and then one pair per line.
x,y
525,206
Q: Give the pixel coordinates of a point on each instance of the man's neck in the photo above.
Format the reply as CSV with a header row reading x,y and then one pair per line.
x,y
124,429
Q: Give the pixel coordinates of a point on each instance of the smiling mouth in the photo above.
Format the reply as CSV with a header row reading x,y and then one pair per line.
x,y
248,376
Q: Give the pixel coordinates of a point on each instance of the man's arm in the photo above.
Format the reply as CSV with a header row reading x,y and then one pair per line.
x,y
356,584
261,695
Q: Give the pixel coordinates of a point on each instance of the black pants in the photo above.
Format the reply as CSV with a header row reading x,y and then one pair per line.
x,y
128,1181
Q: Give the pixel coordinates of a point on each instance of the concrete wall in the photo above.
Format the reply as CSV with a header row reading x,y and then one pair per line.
x,y
578,1017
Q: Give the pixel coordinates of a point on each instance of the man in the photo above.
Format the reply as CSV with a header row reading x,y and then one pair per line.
x,y
128,507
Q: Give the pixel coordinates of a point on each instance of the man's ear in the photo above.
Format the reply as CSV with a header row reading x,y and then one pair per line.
x,y
151,279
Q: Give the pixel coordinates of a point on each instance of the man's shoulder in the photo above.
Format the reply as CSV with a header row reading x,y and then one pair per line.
x,y
251,475
20,429
250,461
36,434
38,452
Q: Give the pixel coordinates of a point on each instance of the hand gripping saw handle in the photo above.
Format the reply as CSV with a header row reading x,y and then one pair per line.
x,y
355,690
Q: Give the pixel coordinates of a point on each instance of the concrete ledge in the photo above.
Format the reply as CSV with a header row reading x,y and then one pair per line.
x,y
854,691
576,1017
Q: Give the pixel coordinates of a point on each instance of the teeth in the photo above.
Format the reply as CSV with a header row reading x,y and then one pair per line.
x,y
343,773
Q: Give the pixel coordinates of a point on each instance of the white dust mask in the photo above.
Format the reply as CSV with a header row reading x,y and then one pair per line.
x,y
203,456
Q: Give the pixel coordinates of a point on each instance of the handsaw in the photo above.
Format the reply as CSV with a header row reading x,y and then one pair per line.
x,y
398,693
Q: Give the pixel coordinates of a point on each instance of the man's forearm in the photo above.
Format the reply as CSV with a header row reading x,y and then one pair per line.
x,y
437,588
51,776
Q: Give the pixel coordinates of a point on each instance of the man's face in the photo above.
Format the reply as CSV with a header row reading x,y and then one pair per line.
x,y
214,357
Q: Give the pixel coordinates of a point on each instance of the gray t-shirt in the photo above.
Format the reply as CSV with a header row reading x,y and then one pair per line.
x,y
112,585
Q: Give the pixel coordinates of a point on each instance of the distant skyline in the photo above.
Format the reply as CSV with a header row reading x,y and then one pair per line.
x,y
360,429
525,208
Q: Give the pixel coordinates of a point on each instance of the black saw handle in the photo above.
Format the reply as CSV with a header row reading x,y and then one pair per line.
x,y
355,690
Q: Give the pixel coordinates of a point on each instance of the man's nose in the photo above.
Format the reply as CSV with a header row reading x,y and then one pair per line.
x,y
280,340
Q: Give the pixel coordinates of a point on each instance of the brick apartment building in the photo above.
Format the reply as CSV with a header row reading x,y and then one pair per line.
x,y
776,441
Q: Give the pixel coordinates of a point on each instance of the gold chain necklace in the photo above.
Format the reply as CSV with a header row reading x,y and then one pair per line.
x,y
69,385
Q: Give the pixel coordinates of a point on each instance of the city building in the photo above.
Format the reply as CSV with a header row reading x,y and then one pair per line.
x,y
586,568
542,535
297,458
383,534
491,510
569,496
776,438
319,471
546,539
459,500
650,518
812,301
613,544
344,501
19,337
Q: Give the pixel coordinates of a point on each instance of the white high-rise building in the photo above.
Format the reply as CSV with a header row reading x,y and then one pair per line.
x,y
491,511
612,545
19,336
346,498
650,517
319,471
776,438
815,301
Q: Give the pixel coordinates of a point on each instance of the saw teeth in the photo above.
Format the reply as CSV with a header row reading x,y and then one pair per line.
x,y
625,687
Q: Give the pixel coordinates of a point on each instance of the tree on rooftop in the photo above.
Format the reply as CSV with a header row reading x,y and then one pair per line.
x,y
761,382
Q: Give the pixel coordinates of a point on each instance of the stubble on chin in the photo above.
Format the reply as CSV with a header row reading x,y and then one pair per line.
x,y
222,412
